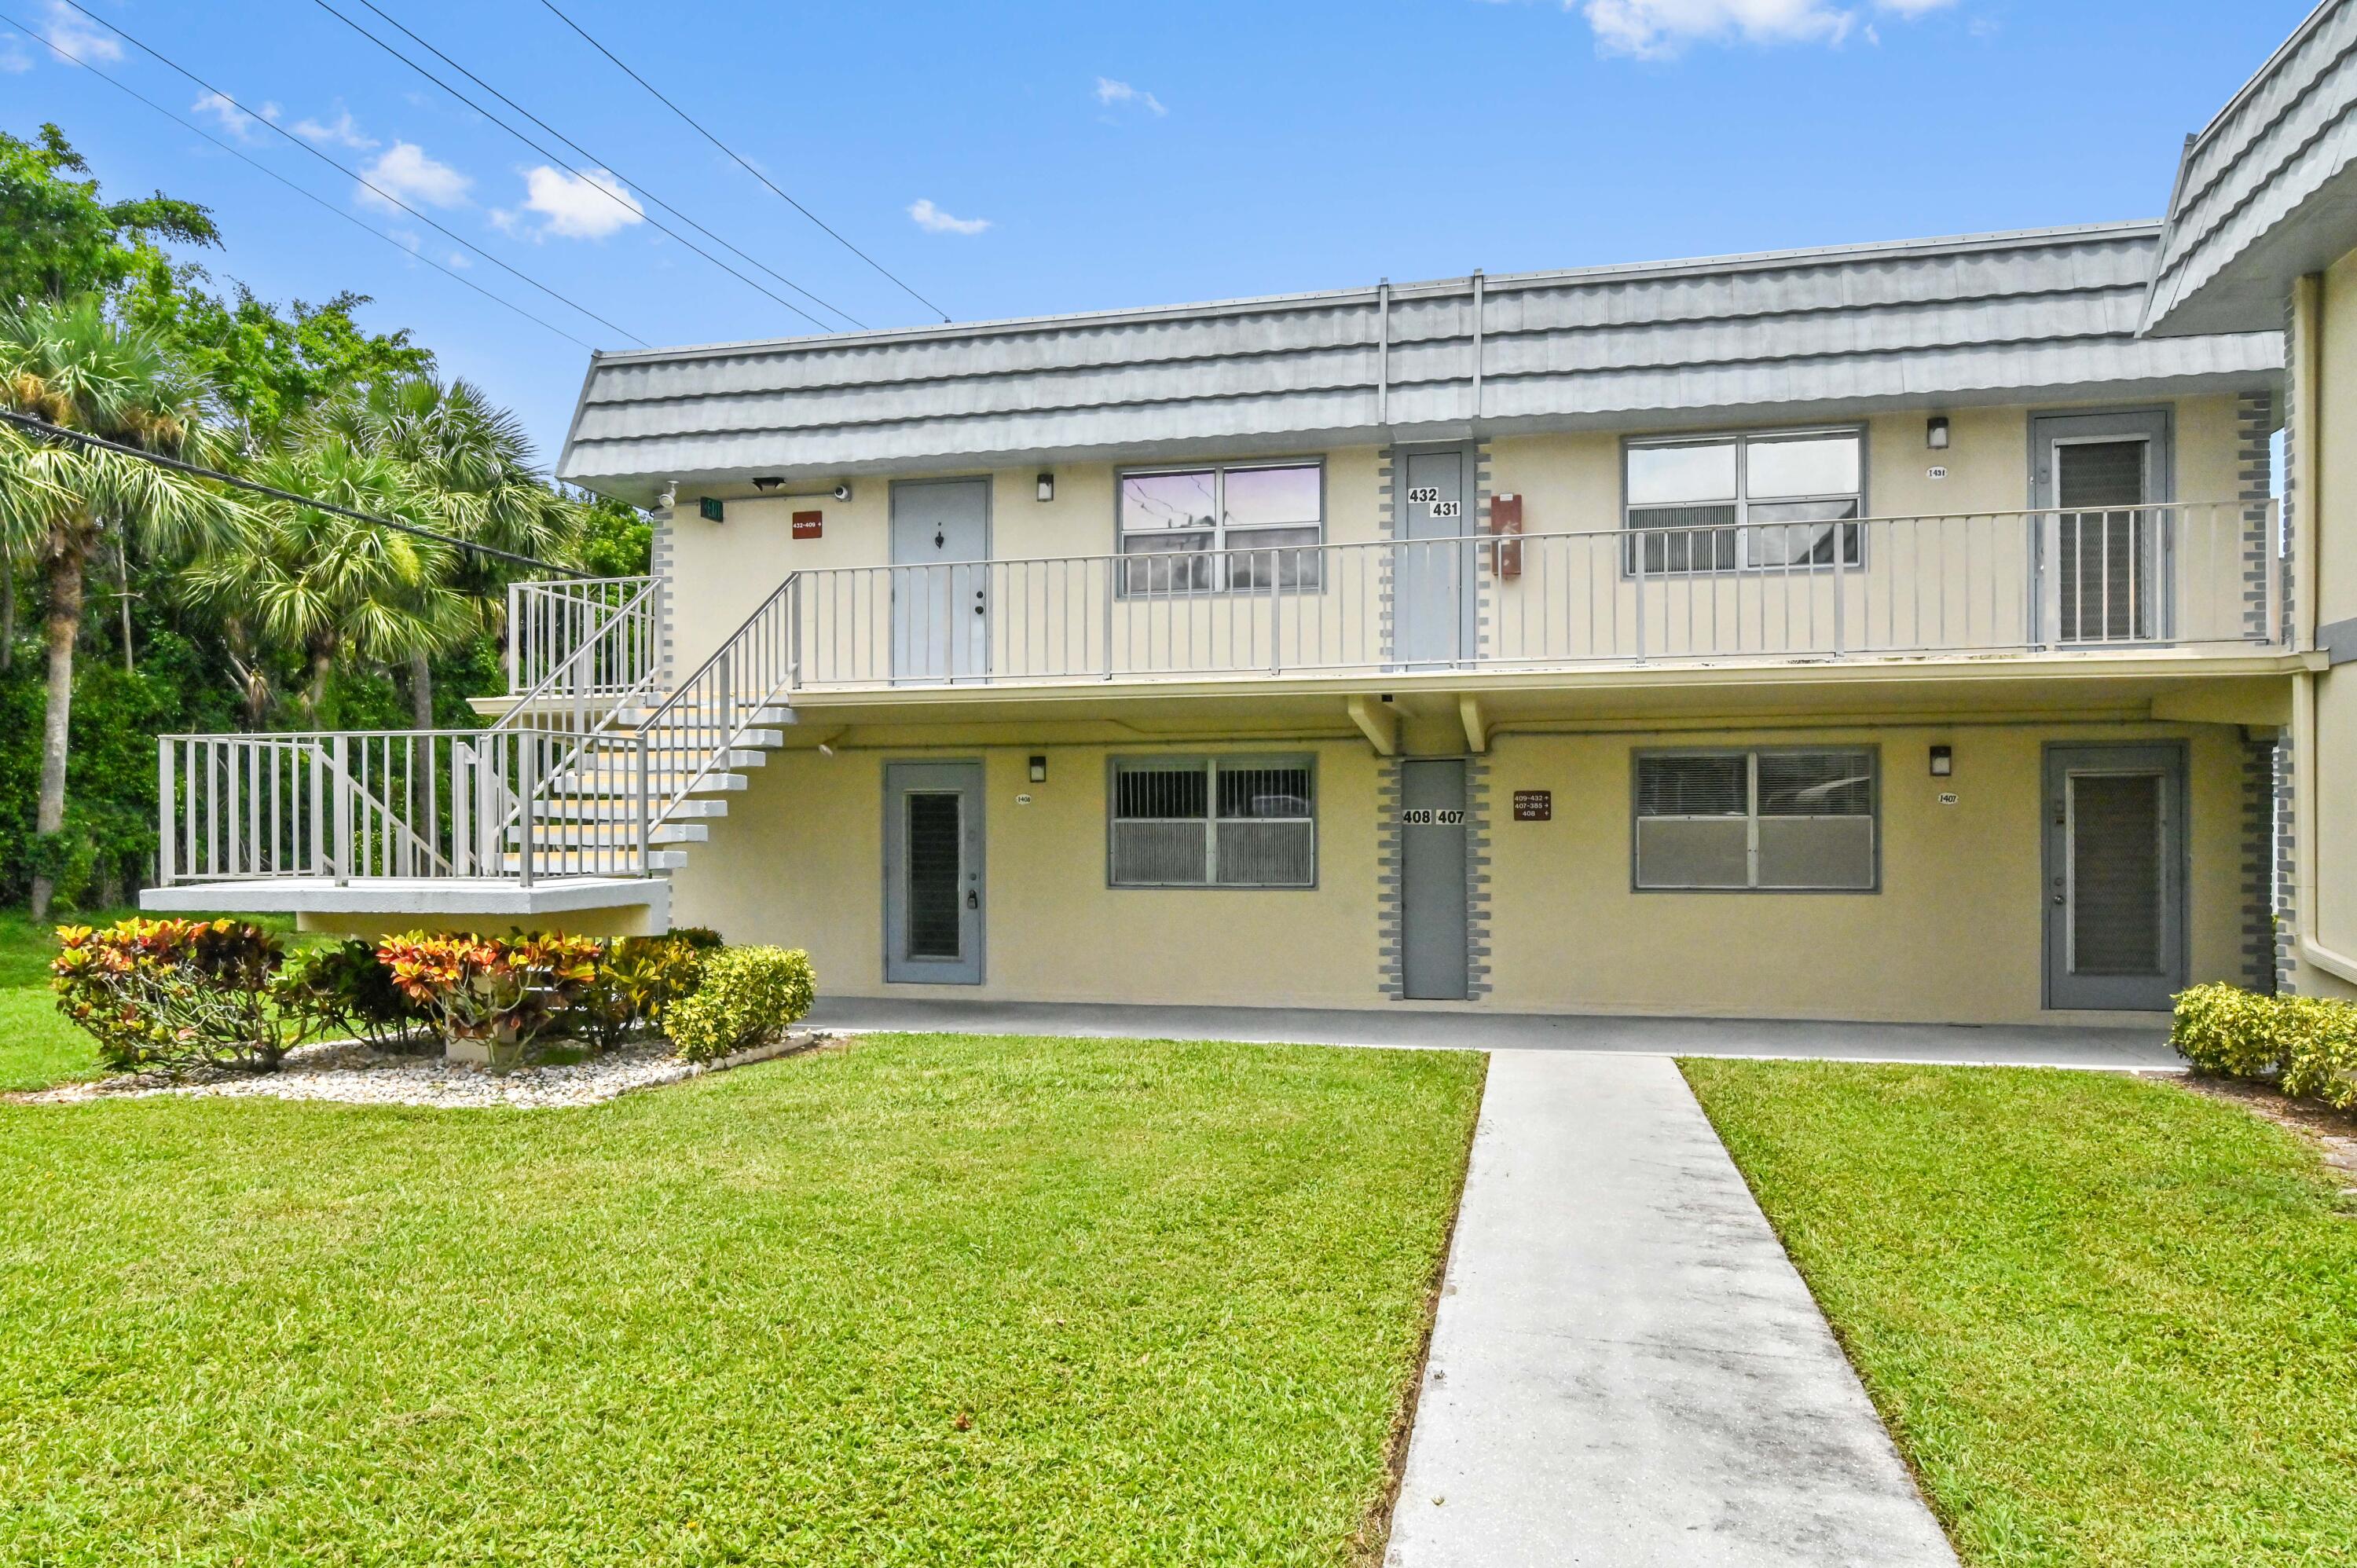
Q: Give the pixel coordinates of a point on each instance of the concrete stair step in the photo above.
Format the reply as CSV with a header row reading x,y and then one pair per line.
x,y
548,832
613,808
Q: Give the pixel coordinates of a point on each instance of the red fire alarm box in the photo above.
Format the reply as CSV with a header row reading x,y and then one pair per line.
x,y
1506,520
808,524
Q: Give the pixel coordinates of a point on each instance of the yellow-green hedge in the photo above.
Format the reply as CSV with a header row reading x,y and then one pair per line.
x,y
2306,1044
748,996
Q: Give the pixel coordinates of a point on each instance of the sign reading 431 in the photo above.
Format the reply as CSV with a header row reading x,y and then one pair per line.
x,y
1429,495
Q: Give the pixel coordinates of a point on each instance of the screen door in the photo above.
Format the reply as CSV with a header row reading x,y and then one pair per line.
x,y
934,873
2099,474
2115,876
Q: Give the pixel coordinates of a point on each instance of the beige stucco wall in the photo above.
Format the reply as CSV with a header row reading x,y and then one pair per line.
x,y
1954,934
2331,812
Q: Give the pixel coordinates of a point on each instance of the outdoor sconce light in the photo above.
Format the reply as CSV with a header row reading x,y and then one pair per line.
x,y
1046,487
767,483
1943,761
1038,771
1935,433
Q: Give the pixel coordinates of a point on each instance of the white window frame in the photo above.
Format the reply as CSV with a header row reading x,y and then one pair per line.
x,y
1744,528
1211,764
1751,818
1220,533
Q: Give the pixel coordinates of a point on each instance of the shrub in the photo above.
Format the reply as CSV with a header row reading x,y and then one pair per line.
x,y
637,980
174,995
703,939
749,997
502,992
347,989
2306,1044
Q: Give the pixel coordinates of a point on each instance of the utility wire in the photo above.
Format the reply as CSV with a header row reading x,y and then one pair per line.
x,y
617,198
732,152
584,154
60,432
308,196
364,181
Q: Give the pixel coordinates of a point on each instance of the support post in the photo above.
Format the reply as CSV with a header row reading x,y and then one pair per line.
x,y
167,822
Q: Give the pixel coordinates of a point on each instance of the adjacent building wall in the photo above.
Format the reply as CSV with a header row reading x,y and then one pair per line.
x,y
1954,934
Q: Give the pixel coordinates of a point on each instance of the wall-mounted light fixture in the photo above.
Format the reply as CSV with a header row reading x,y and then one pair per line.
x,y
767,483
1038,771
1943,761
1046,487
1935,433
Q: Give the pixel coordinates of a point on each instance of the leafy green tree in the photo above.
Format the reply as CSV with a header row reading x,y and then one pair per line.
x,y
62,239
72,363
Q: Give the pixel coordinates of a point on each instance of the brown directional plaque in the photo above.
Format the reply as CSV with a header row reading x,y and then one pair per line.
x,y
1534,805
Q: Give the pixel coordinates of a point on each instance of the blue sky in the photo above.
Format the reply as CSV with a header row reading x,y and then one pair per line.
x,y
1010,159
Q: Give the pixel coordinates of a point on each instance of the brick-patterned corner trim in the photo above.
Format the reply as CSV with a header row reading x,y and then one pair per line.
x,y
1486,584
2260,959
2255,418
1387,478
1477,878
663,565
1391,903
2287,890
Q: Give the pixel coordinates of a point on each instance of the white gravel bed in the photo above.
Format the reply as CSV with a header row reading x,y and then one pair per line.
x,y
352,1073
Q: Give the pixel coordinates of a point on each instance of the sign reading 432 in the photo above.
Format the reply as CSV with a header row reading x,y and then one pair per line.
x,y
1429,495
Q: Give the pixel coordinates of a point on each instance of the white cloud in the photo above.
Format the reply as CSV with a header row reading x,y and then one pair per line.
x,y
1656,29
934,220
224,108
343,132
14,60
1111,93
403,171
576,207
71,34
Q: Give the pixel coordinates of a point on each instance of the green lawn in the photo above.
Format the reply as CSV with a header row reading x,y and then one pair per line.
x,y
2110,1321
931,1300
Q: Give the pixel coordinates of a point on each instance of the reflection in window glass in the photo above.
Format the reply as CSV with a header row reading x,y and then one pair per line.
x,y
1260,498
1813,466
1691,472
1166,501
1222,529
1773,819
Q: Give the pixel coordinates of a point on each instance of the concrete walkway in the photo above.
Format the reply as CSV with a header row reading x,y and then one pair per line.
x,y
2141,1046
1626,1370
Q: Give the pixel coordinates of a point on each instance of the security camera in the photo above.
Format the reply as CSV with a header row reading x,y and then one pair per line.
x,y
842,493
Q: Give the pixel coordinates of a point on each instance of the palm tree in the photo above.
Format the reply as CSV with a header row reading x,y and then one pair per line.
x,y
71,363
471,462
331,586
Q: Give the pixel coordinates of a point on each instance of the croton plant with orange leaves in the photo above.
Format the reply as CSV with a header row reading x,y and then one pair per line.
x,y
505,992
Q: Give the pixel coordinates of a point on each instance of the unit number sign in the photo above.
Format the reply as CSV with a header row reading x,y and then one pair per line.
x,y
1429,495
1425,817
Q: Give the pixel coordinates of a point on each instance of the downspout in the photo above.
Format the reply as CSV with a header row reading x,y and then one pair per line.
x,y
2307,424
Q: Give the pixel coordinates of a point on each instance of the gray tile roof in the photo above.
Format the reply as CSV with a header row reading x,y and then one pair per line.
x,y
2050,314
2268,189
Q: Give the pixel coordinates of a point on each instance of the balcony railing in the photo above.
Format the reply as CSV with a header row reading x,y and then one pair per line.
x,y
2183,575
550,622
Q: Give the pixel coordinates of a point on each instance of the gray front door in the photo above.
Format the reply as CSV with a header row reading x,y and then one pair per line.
x,y
940,593
933,888
1435,954
2108,571
2114,875
1433,581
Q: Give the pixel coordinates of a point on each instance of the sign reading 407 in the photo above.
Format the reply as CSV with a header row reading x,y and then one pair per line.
x,y
1428,817
1429,495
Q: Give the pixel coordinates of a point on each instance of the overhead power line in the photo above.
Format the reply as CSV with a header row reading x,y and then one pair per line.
x,y
740,158
590,157
60,432
615,198
452,274
354,174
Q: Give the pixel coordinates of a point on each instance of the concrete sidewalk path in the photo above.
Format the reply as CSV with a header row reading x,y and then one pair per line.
x,y
2118,1048
1626,1370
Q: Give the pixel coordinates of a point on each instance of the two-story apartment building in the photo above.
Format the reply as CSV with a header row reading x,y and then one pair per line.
x,y
1886,631
2262,233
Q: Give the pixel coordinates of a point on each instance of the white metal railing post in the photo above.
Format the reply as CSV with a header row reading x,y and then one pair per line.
x,y
1637,573
515,637
1840,587
1112,583
341,834
646,820
167,812
527,793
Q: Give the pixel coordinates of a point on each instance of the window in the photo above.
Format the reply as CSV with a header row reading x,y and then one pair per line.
x,y
1733,502
1228,527
1221,822
1779,820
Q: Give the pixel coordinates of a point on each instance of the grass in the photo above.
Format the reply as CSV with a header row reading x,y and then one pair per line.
x,y
38,1048
931,1299
2109,1320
